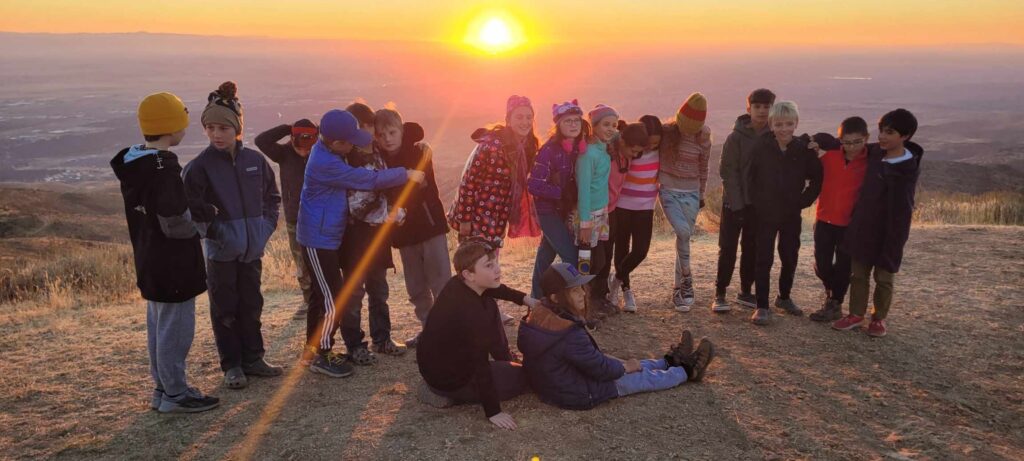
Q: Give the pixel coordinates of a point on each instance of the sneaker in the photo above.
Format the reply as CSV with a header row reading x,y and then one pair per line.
x,y
850,322
628,301
331,364
830,312
720,306
789,306
362,356
262,368
702,357
154,401
679,302
614,290
427,396
747,300
761,317
687,289
876,328
411,343
192,401
390,348
235,378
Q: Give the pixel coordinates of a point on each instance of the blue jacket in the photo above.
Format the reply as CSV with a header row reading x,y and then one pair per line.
x,y
563,363
323,207
234,202
553,179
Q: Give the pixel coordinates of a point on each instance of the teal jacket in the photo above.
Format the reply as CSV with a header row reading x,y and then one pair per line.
x,y
592,169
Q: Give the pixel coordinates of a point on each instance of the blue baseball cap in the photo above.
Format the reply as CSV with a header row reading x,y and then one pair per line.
x,y
340,125
561,276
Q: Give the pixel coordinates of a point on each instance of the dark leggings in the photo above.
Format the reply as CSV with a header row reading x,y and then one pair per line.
x,y
636,227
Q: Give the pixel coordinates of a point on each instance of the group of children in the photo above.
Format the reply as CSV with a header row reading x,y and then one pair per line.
x,y
361,182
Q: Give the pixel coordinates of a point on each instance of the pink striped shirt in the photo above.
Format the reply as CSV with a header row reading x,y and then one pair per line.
x,y
640,187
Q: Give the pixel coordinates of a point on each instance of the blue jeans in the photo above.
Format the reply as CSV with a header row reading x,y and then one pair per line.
x,y
556,241
655,375
681,210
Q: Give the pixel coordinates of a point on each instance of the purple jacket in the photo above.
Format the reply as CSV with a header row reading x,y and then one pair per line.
x,y
552,180
566,368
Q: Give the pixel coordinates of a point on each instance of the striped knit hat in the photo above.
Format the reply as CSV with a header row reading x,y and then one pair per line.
x,y
599,112
692,114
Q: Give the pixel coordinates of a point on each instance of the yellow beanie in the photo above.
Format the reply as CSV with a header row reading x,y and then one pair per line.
x,y
692,113
162,113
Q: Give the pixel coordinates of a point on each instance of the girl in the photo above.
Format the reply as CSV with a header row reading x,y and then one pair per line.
x,y
635,212
591,223
552,182
492,195
629,144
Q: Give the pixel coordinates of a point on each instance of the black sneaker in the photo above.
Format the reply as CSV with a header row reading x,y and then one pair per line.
x,y
192,402
789,306
262,368
702,357
830,312
331,364
390,348
761,317
235,378
361,355
747,300
720,306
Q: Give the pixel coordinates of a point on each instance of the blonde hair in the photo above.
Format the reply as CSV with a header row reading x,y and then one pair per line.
x,y
387,118
784,109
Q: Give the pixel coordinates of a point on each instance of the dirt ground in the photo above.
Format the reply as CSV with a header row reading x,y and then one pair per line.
x,y
947,383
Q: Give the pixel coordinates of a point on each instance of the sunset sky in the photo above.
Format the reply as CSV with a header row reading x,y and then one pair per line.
x,y
678,23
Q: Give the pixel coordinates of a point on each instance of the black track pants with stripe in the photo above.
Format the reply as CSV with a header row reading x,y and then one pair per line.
x,y
324,306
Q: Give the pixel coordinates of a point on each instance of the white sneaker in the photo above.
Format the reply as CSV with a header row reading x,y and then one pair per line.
x,y
680,302
614,290
629,300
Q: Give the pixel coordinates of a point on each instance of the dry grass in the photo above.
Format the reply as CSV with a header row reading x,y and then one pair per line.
x,y
944,385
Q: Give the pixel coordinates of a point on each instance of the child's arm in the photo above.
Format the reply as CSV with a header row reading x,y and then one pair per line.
x,y
584,173
344,176
585,356
815,174
539,183
203,213
482,379
703,159
505,293
731,173
271,196
475,173
267,142
172,207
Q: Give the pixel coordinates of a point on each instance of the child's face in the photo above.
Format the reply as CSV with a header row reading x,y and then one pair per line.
x,y
853,143
783,127
576,297
486,272
653,142
221,136
570,126
521,121
890,139
390,138
633,151
759,112
606,128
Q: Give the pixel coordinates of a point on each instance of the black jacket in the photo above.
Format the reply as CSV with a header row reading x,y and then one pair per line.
x,y
425,216
169,262
783,183
292,166
881,218
459,336
735,164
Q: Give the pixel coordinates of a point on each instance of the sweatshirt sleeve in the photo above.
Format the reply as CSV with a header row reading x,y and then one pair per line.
x,y
271,195
584,174
702,163
344,176
196,183
539,183
815,174
267,142
581,352
731,173
475,173
899,198
483,380
172,207
505,293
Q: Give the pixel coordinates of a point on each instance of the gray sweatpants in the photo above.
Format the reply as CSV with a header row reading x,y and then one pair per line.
x,y
427,269
171,328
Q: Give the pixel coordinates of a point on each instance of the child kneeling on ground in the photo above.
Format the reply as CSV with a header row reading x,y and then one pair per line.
x,y
567,369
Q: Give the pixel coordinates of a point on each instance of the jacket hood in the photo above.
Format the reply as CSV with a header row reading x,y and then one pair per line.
x,y
913,165
135,165
483,133
412,133
543,329
742,126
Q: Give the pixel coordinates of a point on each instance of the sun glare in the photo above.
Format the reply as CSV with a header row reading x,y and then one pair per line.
x,y
494,33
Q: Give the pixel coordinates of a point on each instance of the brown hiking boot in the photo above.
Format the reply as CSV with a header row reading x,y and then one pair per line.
x,y
830,311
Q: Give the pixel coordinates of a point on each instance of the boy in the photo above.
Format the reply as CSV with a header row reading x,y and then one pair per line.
x,y
566,367
685,150
234,201
292,160
169,267
463,329
739,219
421,240
881,220
843,175
323,216
368,217
785,178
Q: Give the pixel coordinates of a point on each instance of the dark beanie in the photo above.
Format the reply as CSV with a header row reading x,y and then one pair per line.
x,y
635,134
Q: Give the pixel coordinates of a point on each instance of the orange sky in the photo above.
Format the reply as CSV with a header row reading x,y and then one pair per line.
x,y
678,23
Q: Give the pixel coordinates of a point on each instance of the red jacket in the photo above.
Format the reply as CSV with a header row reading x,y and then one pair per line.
x,y
841,186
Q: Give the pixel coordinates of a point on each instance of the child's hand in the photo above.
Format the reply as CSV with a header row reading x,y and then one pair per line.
x,y
531,302
416,176
632,365
504,421
585,236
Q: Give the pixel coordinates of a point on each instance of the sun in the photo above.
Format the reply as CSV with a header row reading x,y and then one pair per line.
x,y
494,33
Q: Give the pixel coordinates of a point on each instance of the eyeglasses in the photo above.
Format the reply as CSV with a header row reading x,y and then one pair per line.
x,y
573,121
